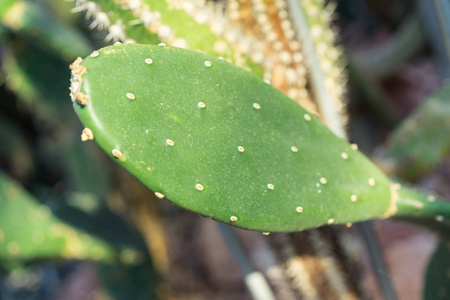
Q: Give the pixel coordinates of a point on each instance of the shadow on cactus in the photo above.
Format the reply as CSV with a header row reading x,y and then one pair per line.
x,y
217,140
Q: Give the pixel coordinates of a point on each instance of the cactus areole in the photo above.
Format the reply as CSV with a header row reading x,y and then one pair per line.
x,y
217,140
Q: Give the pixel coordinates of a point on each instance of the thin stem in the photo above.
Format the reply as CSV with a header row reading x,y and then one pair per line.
x,y
422,209
254,280
384,59
377,261
442,10
436,17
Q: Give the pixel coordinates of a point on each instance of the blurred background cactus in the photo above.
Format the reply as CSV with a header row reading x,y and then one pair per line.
x,y
74,225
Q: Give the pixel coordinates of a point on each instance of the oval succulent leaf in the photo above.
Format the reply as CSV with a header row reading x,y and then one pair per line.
x,y
217,140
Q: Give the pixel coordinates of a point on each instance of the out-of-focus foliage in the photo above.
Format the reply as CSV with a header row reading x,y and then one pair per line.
x,y
66,207
422,140
29,230
438,274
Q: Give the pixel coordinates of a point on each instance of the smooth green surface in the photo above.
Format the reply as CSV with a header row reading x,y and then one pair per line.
x,y
29,230
422,209
423,139
437,280
206,141
5,5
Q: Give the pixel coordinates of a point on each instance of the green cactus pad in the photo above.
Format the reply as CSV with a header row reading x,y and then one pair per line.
x,y
217,140
29,230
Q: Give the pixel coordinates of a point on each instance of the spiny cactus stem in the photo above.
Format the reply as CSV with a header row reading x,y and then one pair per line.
x,y
327,107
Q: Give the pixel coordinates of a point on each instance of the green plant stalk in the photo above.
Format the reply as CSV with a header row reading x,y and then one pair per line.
x,y
422,209
437,276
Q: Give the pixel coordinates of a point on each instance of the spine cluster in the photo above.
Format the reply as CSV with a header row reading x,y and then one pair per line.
x,y
254,34
263,31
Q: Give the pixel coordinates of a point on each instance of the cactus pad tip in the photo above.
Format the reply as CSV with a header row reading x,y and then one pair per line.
x,y
75,82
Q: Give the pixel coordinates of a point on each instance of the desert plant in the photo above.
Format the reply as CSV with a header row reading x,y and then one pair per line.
x,y
221,142
202,131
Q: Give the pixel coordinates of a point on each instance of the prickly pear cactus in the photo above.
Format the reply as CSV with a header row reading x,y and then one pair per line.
x,y
256,35
29,230
182,24
217,140
325,60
